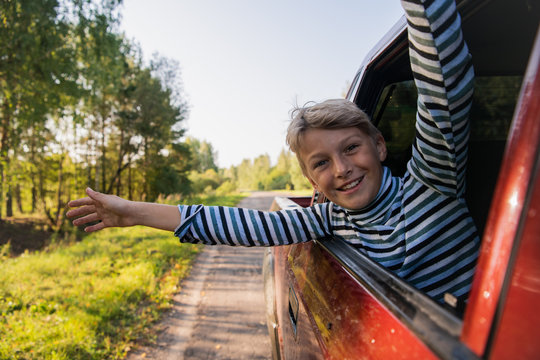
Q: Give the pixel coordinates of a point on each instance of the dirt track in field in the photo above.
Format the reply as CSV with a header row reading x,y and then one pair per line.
x,y
219,312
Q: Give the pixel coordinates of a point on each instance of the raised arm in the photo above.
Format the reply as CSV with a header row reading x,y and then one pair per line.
x,y
113,211
443,73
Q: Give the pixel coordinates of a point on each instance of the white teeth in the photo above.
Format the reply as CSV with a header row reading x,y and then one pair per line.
x,y
351,185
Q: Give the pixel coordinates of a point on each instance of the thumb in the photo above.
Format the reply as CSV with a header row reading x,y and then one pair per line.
x,y
94,195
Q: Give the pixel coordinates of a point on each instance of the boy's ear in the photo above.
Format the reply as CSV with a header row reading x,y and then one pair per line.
x,y
305,173
381,148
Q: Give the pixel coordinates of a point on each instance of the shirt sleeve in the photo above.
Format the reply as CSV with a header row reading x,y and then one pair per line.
x,y
443,74
213,225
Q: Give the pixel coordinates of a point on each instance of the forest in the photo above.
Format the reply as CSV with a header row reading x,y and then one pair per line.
x,y
79,106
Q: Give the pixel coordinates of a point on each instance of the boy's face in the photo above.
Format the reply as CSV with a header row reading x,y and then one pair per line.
x,y
344,164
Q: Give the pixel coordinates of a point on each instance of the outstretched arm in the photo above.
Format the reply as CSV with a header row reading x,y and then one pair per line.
x,y
113,211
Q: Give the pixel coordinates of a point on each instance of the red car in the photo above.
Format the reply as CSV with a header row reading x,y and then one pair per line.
x,y
326,301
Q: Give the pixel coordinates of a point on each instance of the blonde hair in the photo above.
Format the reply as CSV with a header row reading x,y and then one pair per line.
x,y
329,114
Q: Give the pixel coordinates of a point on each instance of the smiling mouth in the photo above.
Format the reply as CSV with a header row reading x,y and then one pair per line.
x,y
351,184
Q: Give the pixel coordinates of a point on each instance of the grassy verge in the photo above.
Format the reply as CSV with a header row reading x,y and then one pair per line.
x,y
223,200
93,299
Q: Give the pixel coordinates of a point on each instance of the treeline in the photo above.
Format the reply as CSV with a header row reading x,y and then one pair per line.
x,y
250,174
79,108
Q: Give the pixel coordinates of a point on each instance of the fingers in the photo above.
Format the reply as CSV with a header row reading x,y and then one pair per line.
x,y
82,210
86,219
93,194
86,210
81,202
96,227
91,217
89,200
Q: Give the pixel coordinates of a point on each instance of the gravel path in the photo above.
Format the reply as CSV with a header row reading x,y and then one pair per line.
x,y
219,313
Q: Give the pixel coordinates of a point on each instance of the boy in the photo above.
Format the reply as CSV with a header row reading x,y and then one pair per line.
x,y
417,226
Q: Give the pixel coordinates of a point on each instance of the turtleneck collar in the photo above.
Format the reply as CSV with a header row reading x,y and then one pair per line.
x,y
377,212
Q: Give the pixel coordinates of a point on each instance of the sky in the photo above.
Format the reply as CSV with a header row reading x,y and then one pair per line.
x,y
246,63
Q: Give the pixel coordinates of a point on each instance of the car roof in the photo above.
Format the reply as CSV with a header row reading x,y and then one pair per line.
x,y
499,33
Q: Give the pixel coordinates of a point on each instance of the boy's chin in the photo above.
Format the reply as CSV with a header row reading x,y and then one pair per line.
x,y
351,203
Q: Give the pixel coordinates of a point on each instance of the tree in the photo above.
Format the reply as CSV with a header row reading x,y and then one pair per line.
x,y
203,156
156,123
280,176
36,70
298,180
169,174
208,180
101,52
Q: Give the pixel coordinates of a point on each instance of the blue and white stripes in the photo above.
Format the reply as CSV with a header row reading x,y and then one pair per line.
x,y
443,73
245,227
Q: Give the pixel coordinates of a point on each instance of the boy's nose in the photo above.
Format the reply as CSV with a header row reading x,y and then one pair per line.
x,y
342,167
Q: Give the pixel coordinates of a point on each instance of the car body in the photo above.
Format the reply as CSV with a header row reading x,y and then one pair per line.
x,y
327,301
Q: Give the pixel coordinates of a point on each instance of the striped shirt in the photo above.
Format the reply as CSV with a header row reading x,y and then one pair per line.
x,y
418,226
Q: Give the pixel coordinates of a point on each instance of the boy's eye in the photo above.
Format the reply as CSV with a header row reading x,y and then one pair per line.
x,y
351,147
319,164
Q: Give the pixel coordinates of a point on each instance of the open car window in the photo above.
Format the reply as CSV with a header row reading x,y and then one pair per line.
x,y
491,114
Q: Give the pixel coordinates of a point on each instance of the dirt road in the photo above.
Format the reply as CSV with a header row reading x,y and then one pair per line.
x,y
219,313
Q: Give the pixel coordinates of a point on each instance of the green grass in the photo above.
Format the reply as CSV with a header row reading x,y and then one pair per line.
x,y
93,299
223,200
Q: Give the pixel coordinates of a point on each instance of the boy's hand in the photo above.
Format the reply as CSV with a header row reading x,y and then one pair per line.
x,y
109,210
